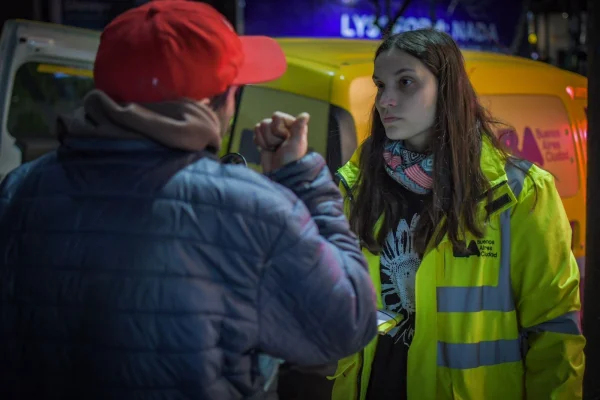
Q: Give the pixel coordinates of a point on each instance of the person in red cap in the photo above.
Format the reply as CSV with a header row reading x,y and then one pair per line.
x,y
135,265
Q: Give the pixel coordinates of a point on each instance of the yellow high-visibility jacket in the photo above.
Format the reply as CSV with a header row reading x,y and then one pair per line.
x,y
501,324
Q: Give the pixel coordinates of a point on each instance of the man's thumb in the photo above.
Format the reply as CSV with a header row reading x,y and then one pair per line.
x,y
299,125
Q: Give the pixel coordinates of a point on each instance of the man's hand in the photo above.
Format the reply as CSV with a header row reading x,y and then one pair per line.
x,y
282,139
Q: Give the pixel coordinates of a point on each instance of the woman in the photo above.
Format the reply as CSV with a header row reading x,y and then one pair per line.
x,y
469,249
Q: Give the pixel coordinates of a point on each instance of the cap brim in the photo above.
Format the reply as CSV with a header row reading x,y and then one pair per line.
x,y
264,60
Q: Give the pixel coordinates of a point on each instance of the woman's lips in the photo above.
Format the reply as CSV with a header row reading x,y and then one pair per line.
x,y
391,119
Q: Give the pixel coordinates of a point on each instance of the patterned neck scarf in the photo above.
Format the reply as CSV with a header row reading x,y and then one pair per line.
x,y
410,169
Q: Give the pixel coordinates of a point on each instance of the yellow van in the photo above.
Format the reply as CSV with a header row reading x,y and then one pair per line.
x,y
46,69
331,79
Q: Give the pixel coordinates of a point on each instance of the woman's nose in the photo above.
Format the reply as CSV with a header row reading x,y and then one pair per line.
x,y
387,99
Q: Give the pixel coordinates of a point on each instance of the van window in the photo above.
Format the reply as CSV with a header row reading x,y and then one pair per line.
x,y
257,102
341,139
40,93
540,132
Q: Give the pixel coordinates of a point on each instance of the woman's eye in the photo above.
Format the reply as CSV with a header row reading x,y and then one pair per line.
x,y
406,82
379,85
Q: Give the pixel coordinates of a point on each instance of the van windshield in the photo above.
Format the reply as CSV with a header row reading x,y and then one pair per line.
x,y
40,93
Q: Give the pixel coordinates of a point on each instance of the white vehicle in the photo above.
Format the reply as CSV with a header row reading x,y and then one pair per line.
x,y
45,69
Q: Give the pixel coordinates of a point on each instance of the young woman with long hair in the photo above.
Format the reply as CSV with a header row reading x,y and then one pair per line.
x,y
468,247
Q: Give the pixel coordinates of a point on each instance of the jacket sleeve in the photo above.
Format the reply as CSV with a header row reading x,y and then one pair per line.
x,y
545,280
316,302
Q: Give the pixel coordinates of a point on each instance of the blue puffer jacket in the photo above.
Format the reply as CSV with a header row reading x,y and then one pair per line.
x,y
131,271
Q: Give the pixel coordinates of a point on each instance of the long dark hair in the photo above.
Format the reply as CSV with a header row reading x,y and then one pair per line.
x,y
461,124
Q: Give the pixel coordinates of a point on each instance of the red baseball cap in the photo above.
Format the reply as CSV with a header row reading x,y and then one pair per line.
x,y
167,50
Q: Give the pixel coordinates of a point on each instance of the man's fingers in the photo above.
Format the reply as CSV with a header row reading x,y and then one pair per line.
x,y
265,126
272,132
303,117
278,127
299,127
265,140
285,119
259,139
266,133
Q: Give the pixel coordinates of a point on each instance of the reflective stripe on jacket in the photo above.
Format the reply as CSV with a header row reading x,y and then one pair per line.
x,y
500,321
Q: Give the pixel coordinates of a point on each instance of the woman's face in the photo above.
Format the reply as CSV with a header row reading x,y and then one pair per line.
x,y
406,98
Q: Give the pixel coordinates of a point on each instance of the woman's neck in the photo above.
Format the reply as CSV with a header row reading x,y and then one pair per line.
x,y
420,142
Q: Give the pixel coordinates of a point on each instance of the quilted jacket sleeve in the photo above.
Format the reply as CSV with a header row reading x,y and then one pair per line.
x,y
316,302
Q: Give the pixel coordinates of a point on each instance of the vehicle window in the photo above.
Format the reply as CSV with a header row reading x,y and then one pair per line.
x,y
40,93
257,102
342,139
542,134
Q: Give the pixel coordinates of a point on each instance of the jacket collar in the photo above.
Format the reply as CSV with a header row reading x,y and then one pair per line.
x,y
182,125
492,164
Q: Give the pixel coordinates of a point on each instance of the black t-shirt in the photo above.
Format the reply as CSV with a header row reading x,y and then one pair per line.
x,y
399,264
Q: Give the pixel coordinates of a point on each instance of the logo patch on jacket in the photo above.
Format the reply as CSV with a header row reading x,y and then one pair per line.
x,y
479,248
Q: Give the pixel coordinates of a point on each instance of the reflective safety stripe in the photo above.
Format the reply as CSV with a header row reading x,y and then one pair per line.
x,y
516,175
473,355
567,323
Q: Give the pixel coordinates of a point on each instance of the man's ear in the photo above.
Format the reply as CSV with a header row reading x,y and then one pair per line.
x,y
231,93
225,99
